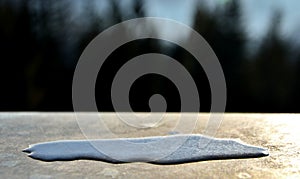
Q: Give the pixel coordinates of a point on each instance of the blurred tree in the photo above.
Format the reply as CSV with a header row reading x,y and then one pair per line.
x,y
295,94
230,50
41,42
16,47
52,78
34,76
270,78
142,89
138,9
223,30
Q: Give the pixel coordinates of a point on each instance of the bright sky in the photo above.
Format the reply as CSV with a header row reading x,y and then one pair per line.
x,y
257,13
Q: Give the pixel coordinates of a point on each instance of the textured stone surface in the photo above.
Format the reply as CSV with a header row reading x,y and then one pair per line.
x,y
278,132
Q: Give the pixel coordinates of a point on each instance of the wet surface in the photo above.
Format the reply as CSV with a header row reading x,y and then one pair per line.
x,y
277,132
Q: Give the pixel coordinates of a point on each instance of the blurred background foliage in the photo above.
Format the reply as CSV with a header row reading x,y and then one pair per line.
x,y
41,42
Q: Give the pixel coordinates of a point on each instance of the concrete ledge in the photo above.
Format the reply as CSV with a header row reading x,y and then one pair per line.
x,y
279,133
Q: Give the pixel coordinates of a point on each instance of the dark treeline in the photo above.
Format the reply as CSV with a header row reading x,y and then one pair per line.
x,y
41,41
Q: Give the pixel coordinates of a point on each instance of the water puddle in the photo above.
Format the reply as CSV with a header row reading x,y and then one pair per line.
x,y
172,149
